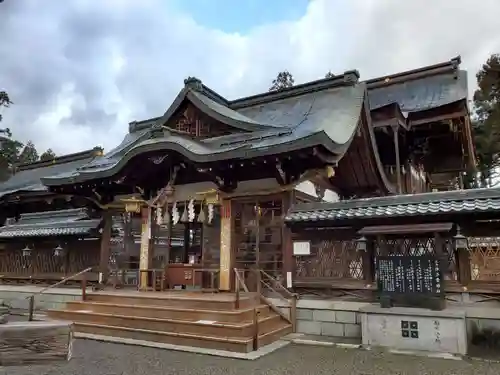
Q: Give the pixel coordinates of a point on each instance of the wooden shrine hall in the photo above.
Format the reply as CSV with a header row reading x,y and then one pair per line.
x,y
196,199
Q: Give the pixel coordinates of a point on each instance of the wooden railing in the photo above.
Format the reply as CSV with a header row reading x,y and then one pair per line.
x,y
31,298
275,286
265,280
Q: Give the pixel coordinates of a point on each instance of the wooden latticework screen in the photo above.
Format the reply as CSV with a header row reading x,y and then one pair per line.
x,y
484,258
259,240
333,259
419,246
42,262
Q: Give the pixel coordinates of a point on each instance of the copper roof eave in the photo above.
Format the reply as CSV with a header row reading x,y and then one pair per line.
x,y
406,229
309,141
426,71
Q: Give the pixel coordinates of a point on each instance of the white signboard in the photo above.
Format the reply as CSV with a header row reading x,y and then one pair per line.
x,y
301,248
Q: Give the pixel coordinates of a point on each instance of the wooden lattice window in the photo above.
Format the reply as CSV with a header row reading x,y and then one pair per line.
x,y
332,259
484,258
266,253
419,246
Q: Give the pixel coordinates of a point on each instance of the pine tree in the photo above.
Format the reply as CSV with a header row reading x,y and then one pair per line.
x,y
282,81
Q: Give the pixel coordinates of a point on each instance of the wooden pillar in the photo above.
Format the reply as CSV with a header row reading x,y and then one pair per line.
x,y
368,261
398,161
226,248
286,241
105,247
144,260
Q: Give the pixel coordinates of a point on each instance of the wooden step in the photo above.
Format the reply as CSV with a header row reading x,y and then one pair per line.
x,y
282,329
215,301
241,345
160,312
202,327
233,344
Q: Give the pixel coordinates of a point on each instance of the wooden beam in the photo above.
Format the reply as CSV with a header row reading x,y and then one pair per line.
x,y
447,116
406,229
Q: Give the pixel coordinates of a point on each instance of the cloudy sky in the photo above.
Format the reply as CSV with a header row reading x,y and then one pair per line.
x,y
79,70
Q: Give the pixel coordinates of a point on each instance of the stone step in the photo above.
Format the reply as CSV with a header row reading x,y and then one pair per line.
x,y
202,326
180,313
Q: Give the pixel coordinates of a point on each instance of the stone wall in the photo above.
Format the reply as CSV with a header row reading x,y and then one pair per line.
x,y
326,318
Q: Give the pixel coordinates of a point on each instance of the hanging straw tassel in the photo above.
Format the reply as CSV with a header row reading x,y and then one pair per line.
x,y
201,216
184,217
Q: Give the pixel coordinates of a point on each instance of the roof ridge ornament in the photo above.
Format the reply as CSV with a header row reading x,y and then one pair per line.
x,y
351,76
193,83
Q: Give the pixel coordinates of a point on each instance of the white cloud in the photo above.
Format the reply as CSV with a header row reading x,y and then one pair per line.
x,y
78,72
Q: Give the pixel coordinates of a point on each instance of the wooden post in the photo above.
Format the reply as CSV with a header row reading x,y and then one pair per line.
x,y
255,340
237,286
286,238
293,312
84,287
105,247
398,161
31,308
368,257
144,252
257,248
226,248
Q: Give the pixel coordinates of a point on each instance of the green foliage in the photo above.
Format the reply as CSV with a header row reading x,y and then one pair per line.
x,y
4,101
9,155
282,81
29,153
486,124
48,155
329,74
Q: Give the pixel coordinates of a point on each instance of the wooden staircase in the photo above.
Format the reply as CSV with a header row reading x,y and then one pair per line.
x,y
180,318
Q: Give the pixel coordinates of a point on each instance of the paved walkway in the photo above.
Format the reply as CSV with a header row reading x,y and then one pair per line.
x,y
94,358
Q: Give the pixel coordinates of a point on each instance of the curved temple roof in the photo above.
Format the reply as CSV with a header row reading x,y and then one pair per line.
x,y
420,89
321,113
28,176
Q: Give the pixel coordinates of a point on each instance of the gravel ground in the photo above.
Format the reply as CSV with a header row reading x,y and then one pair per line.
x,y
95,358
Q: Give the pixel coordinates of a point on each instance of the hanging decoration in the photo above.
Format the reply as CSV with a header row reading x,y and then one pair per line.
x,y
190,209
210,213
175,214
159,216
184,217
201,216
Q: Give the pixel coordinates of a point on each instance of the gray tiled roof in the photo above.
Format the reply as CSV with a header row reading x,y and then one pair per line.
x,y
322,113
29,178
50,223
421,94
460,201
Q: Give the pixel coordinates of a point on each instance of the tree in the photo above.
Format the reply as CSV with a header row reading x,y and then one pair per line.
x,y
4,101
486,124
48,155
282,81
29,153
9,155
329,74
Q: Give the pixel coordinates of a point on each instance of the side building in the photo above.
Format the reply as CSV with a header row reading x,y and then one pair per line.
x,y
45,236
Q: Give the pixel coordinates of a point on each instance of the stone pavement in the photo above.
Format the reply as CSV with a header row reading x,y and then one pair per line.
x,y
96,358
